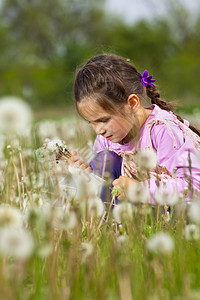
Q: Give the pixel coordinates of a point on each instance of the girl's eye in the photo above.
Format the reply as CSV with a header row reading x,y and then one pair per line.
x,y
105,120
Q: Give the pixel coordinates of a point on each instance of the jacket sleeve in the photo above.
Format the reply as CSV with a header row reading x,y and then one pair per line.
x,y
176,151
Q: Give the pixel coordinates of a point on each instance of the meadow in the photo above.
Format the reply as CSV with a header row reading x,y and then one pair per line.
x,y
58,240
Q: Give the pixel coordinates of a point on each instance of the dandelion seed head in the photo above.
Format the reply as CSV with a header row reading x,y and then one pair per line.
x,y
123,212
52,145
146,159
15,242
191,232
163,196
47,129
95,207
87,250
160,243
121,240
137,192
10,216
194,212
45,250
64,219
15,115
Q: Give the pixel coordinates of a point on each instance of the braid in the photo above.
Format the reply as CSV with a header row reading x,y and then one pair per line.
x,y
154,95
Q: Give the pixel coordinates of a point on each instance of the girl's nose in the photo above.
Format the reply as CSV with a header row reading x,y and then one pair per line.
x,y
99,129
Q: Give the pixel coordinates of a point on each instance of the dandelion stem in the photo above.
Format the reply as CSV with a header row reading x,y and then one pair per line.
x,y
18,183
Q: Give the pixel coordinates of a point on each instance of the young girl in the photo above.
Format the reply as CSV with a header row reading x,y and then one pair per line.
x,y
112,96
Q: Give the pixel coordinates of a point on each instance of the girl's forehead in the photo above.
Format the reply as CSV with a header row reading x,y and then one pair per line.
x,y
90,110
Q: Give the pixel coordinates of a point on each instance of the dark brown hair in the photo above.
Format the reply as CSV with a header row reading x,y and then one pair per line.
x,y
110,79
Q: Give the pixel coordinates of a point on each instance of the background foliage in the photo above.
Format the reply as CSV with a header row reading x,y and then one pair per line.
x,y
43,42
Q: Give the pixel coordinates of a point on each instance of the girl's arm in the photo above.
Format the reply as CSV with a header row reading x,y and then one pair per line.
x,y
176,151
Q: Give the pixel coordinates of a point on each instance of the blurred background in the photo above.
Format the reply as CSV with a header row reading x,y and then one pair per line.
x,y
43,42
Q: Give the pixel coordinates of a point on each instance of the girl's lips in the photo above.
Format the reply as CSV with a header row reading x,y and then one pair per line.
x,y
109,137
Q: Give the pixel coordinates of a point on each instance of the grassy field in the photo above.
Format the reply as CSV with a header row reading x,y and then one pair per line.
x,y
59,241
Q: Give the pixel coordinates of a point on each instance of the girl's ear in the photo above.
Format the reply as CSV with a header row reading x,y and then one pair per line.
x,y
134,102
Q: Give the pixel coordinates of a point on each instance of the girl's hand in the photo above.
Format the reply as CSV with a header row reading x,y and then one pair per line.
x,y
74,159
123,182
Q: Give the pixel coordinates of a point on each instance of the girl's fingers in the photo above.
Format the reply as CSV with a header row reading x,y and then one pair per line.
x,y
115,182
74,159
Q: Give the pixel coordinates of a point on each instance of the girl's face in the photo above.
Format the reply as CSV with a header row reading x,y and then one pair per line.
x,y
114,127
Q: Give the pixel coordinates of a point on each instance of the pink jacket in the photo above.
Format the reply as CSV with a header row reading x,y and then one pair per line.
x,y
173,141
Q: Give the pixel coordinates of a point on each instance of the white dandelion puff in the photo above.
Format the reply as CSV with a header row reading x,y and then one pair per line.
x,y
87,250
45,250
194,212
123,211
163,196
15,115
52,145
47,129
95,207
88,184
121,240
160,243
137,192
10,216
146,159
191,232
15,242
64,219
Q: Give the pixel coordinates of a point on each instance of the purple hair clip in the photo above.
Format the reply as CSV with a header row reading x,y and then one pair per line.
x,y
147,80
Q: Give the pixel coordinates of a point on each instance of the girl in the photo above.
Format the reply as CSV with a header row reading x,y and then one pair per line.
x,y
112,96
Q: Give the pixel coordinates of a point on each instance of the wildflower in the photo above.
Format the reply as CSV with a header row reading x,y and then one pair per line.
x,y
15,114
95,207
47,129
121,240
123,211
191,232
15,242
45,250
52,145
137,193
40,155
160,243
163,197
87,250
64,219
194,212
146,159
10,216
88,184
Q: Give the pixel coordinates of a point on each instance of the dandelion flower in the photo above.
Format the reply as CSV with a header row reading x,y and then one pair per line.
x,y
15,114
10,216
95,207
137,192
52,145
88,184
121,240
194,212
87,250
191,232
47,129
15,242
64,219
45,250
123,211
163,196
146,159
160,243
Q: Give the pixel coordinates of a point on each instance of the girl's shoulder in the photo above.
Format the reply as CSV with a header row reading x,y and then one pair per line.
x,y
161,123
